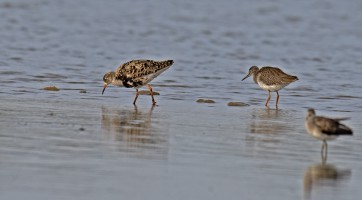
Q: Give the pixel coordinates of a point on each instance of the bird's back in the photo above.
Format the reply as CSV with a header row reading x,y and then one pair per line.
x,y
136,73
139,68
272,75
331,126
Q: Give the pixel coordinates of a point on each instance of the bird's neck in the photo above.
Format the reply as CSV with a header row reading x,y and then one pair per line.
x,y
310,118
255,77
117,82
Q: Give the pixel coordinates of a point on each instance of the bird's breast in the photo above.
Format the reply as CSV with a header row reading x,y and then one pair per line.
x,y
118,83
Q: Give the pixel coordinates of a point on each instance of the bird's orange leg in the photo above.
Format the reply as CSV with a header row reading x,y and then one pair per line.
x,y
266,104
276,104
153,100
135,99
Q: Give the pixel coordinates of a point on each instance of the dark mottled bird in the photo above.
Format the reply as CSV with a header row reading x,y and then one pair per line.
x,y
271,79
135,74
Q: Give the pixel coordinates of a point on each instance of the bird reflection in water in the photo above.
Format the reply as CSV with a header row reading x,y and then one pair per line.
x,y
322,175
266,127
269,121
135,131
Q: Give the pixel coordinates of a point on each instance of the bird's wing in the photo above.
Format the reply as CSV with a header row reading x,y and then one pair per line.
x,y
142,68
326,125
332,126
341,118
276,76
134,68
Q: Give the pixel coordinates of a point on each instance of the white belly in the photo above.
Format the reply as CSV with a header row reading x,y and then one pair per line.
x,y
271,88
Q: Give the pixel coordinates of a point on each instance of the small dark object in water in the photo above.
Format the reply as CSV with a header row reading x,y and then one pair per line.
x,y
240,104
146,92
205,101
83,91
51,88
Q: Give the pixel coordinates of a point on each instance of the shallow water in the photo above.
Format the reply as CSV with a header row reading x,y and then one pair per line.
x,y
78,144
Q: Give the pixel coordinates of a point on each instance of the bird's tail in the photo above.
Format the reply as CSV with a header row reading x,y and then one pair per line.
x,y
344,130
342,118
168,62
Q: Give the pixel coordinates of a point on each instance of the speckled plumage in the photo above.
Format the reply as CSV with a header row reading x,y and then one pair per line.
x,y
271,79
273,76
136,73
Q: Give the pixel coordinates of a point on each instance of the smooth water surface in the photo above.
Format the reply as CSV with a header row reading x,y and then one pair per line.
x,y
77,144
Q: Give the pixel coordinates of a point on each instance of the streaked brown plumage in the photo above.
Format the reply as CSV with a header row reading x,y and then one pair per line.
x,y
136,73
271,79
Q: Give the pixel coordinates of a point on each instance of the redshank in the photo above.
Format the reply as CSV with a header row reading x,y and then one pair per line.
x,y
324,128
271,79
135,74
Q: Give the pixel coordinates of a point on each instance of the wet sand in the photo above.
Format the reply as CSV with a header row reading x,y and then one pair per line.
x,y
75,143
177,150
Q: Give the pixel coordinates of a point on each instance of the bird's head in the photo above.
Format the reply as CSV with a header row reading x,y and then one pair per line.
x,y
108,78
310,113
252,70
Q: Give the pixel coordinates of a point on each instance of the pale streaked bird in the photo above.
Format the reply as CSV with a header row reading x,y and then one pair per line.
x,y
271,79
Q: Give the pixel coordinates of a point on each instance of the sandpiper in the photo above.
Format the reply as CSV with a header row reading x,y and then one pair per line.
x,y
135,74
324,128
271,79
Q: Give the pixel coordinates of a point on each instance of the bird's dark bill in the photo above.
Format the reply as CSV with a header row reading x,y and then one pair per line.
x,y
245,77
104,87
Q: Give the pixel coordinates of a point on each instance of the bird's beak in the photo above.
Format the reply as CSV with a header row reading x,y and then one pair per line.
x,y
245,77
104,87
